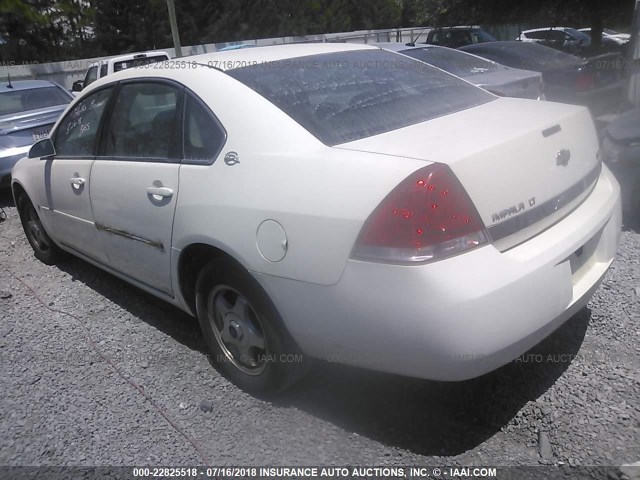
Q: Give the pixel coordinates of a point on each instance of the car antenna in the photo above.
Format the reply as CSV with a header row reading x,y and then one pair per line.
x,y
412,43
9,79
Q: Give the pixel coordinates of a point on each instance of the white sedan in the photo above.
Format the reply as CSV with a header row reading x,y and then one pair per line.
x,y
330,201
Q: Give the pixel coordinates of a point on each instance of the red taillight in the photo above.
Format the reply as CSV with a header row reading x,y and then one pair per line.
x,y
584,82
429,216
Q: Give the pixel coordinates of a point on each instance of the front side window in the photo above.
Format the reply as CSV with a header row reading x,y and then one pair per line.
x,y
345,96
77,133
144,122
204,137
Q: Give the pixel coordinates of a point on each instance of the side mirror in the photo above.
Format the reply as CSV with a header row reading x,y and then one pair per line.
x,y
77,86
42,149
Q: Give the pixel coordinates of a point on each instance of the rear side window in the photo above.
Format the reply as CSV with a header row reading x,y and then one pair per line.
x,y
345,96
204,137
77,133
144,122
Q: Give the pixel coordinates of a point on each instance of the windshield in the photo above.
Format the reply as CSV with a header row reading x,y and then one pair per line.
x,y
345,96
31,99
457,63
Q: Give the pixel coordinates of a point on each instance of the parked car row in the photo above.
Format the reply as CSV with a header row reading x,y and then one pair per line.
x,y
570,40
331,201
597,82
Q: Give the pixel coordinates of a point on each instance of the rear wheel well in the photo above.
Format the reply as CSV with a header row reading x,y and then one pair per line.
x,y
192,260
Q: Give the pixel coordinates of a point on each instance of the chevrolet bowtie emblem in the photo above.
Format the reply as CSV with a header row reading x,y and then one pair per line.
x,y
563,157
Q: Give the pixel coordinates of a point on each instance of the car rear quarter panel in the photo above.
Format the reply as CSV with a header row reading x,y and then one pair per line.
x,y
320,195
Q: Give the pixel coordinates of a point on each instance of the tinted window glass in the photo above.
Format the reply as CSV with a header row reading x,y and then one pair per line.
x,y
345,96
103,70
14,101
144,121
578,35
76,135
480,36
203,136
92,76
541,35
453,61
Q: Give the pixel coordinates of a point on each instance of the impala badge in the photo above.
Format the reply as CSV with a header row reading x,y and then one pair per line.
x,y
231,159
563,157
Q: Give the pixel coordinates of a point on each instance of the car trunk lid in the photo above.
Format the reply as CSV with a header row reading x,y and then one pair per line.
x,y
524,164
28,127
510,83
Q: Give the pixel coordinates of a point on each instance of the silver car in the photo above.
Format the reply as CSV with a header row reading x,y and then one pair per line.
x,y
498,79
28,110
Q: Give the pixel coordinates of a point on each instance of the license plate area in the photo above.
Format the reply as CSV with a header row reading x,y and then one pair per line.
x,y
40,134
584,258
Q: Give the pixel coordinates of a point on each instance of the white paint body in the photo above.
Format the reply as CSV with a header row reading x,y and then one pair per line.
x,y
449,320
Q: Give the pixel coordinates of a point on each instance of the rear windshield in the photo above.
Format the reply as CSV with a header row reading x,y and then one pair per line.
x,y
452,61
137,62
528,56
345,96
31,99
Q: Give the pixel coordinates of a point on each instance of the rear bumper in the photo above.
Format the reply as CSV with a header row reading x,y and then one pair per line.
x,y
462,317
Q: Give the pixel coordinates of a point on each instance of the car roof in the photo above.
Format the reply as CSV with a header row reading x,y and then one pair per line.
x,y
546,29
460,27
135,56
25,85
130,56
231,59
401,47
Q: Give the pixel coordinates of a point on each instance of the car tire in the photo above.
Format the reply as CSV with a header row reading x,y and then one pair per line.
x,y
44,248
248,341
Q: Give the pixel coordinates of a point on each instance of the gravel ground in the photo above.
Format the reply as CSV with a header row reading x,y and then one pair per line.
x,y
574,400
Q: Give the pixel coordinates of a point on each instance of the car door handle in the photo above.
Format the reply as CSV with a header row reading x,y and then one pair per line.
x,y
78,181
163,192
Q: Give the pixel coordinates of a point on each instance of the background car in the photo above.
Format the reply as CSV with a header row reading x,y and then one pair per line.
x,y
597,82
107,67
496,78
621,152
28,110
566,39
334,202
454,37
620,38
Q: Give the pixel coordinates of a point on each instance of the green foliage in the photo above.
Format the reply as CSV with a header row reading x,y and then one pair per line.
x,y
50,30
